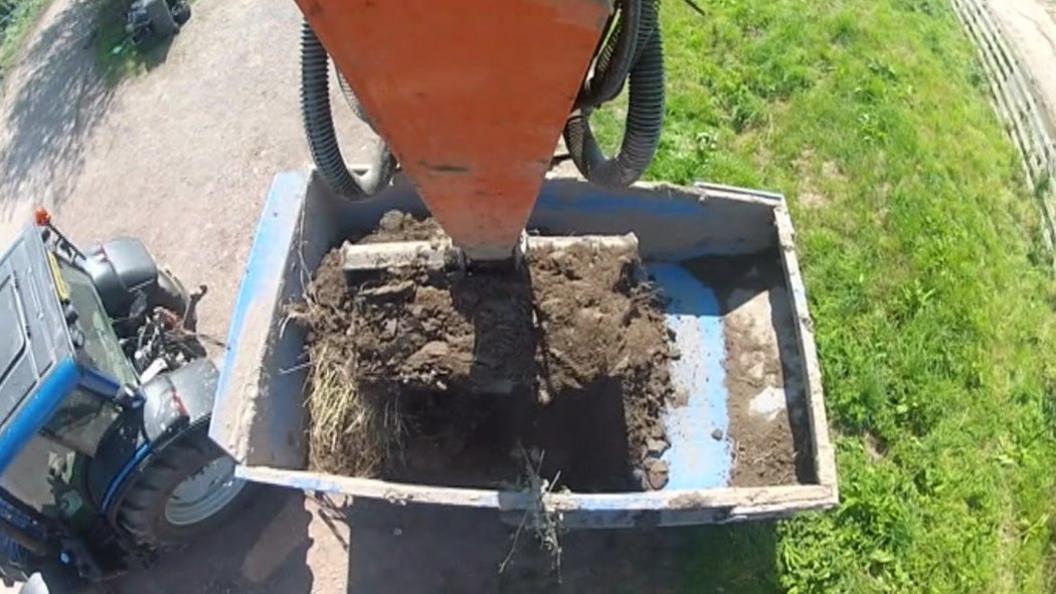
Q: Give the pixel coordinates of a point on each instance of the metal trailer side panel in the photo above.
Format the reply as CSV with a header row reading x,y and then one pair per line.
x,y
259,414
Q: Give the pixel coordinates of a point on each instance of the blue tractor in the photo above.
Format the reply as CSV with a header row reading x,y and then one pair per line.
x,y
105,399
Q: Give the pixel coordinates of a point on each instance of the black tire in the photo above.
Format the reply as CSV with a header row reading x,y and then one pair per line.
x,y
143,510
181,13
58,580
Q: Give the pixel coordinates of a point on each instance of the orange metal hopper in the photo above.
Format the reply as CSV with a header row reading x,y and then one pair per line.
x,y
471,96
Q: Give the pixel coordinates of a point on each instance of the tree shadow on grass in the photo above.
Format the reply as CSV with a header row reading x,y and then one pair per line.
x,y
56,101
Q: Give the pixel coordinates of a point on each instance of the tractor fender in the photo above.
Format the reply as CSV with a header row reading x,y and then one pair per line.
x,y
177,399
39,583
173,403
35,585
118,269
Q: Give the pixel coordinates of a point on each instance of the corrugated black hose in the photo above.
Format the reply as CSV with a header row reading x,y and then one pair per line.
x,y
351,99
614,62
319,127
645,115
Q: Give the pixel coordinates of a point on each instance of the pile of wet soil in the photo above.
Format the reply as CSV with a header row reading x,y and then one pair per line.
x,y
566,357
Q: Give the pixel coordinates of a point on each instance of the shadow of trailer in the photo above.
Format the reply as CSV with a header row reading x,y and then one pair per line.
x,y
750,441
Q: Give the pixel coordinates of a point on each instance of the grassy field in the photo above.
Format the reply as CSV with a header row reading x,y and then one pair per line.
x,y
934,312
16,19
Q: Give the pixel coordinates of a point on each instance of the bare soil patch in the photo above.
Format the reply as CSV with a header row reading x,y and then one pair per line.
x,y
769,429
447,376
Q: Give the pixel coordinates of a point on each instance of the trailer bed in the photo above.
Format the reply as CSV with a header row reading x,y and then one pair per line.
x,y
750,438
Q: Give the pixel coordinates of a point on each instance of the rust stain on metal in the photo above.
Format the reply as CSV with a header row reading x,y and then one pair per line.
x,y
692,500
445,168
486,86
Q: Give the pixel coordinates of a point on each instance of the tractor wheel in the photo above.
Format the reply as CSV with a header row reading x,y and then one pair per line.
x,y
61,581
181,13
183,492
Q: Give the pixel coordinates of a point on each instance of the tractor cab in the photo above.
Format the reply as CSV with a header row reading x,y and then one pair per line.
x,y
105,395
61,368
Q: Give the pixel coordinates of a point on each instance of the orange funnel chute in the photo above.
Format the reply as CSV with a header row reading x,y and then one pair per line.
x,y
471,96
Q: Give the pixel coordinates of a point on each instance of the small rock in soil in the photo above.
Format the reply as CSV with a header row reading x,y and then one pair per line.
x,y
657,473
657,431
391,221
680,398
390,290
657,446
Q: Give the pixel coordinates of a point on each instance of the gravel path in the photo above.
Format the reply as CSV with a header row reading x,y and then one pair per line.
x,y
1030,26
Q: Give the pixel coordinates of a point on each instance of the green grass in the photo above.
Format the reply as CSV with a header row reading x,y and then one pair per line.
x,y
16,20
932,304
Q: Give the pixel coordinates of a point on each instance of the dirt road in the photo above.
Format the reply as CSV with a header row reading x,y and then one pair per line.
x,y
1030,26
284,546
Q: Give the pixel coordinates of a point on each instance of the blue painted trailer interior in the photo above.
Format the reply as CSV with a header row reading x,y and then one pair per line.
x,y
259,415
696,459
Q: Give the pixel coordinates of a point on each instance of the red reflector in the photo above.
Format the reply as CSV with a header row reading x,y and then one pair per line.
x,y
179,404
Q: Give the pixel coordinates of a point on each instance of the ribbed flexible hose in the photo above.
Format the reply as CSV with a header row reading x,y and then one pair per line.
x,y
615,59
645,116
319,127
351,99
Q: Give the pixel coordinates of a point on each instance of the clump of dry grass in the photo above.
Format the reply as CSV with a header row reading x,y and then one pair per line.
x,y
548,523
351,432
